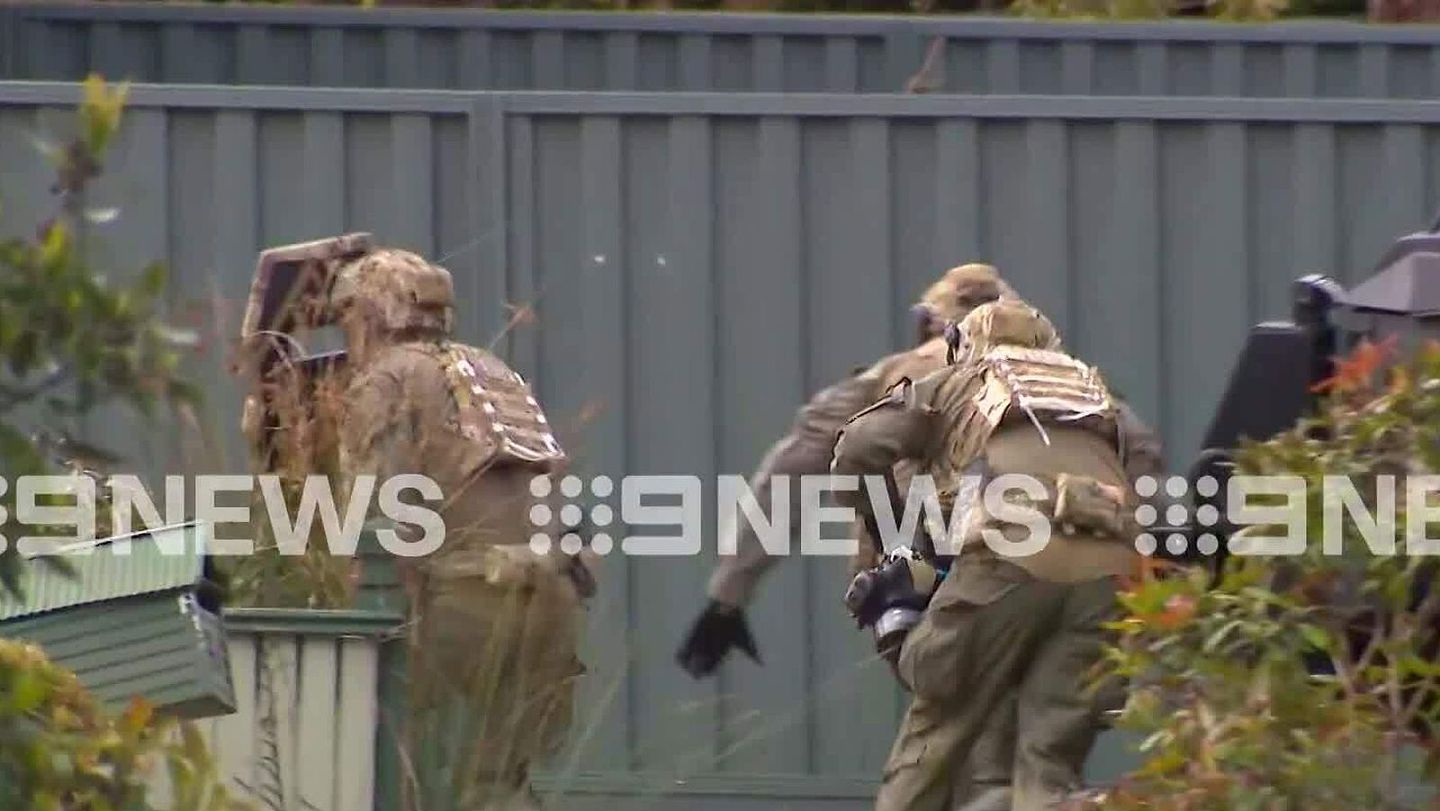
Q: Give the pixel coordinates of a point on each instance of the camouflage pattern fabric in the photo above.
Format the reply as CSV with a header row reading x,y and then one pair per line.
x,y
806,448
957,292
494,626
402,290
1024,630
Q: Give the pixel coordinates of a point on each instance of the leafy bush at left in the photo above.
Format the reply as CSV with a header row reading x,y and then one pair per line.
x,y
59,751
71,341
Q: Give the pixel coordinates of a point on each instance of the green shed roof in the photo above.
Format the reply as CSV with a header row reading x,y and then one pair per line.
x,y
149,562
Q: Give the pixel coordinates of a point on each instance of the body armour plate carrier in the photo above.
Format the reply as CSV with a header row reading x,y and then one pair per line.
x,y
1047,387
497,409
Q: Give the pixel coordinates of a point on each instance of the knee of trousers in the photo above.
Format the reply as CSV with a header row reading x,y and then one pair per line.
x,y
940,659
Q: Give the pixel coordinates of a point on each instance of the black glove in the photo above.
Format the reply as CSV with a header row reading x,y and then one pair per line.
x,y
718,628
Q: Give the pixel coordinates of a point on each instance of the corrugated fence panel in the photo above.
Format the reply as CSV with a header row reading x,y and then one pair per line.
x,y
502,50
696,265
1155,232
757,230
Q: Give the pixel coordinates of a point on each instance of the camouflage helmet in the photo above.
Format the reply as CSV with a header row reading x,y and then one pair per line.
x,y
1005,322
399,289
959,291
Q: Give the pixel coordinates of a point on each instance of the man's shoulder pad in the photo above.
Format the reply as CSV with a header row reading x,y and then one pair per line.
x,y
903,394
896,395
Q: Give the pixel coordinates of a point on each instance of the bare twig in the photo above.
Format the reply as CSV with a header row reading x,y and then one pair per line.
x,y
271,791
924,80
1372,645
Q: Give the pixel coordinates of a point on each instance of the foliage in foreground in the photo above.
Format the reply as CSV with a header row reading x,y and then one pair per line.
x,y
60,751
1223,679
72,341
295,440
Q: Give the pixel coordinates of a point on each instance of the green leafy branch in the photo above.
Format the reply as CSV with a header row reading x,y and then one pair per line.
x,y
71,339
1309,681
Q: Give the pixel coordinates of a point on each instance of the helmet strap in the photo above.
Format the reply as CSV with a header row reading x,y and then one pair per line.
x,y
952,343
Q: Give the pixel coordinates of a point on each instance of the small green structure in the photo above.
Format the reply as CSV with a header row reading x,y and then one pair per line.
x,y
139,616
380,588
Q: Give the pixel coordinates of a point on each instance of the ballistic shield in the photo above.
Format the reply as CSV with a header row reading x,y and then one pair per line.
x,y
289,299
1272,385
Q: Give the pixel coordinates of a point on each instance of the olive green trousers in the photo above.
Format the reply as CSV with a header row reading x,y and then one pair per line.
x,y
982,781
494,670
994,634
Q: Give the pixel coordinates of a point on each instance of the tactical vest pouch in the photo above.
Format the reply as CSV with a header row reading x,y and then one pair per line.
x,y
1075,505
498,410
1091,507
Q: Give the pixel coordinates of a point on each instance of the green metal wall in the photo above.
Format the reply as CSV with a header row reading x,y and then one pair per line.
x,y
472,49
700,263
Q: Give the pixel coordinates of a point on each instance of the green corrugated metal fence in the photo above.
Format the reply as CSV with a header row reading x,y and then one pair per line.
x,y
700,263
503,50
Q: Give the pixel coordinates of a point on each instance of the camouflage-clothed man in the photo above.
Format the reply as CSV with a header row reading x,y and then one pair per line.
x,y
496,625
806,450
1006,630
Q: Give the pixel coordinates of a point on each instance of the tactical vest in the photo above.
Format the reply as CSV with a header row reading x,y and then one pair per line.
x,y
1043,386
496,409
1025,388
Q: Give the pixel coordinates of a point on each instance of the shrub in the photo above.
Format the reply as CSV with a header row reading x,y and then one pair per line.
x,y
70,341
1309,681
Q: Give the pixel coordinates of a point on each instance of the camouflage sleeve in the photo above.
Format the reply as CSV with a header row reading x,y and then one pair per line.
x,y
376,438
901,426
1143,453
804,451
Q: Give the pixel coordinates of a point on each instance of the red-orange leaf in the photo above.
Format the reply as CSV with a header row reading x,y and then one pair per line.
x,y
1179,610
1355,372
